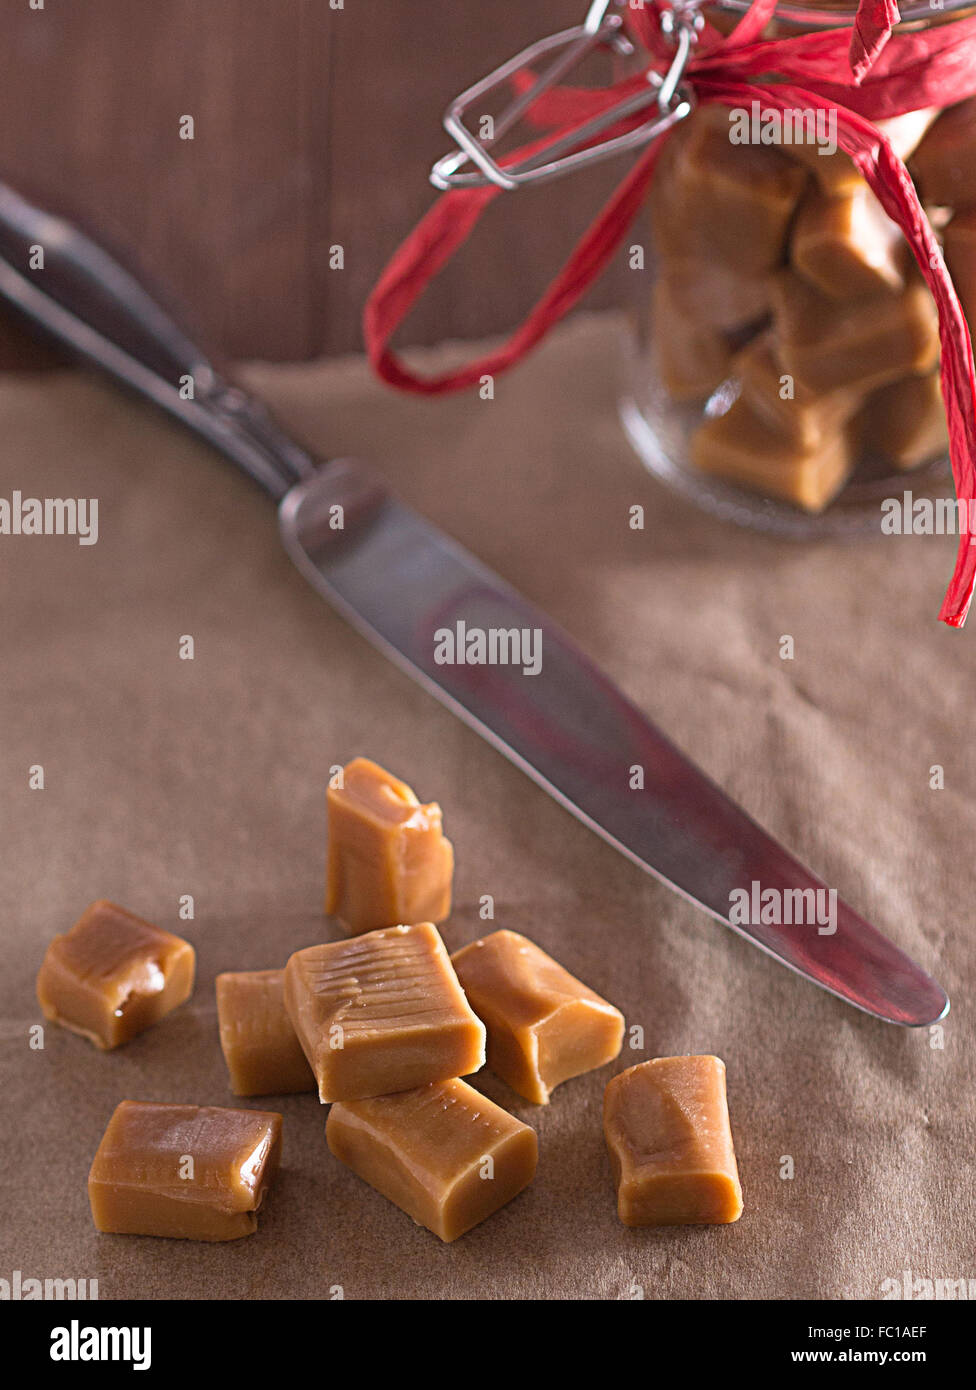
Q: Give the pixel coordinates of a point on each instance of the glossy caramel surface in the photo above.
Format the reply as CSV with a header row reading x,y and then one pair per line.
x,y
185,1171
388,859
113,975
544,1025
257,1038
667,1129
444,1153
382,1012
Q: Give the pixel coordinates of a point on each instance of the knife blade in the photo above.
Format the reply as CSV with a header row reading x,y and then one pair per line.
x,y
470,639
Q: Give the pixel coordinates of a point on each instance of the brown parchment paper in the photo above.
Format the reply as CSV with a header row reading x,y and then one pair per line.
x,y
166,777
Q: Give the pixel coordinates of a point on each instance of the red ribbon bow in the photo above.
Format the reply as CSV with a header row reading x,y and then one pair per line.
x,y
864,78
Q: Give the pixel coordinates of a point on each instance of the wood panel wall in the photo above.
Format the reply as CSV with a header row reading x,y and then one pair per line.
x,y
313,126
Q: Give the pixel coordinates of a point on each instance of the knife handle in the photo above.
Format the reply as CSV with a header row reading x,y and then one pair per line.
x,y
83,297
81,276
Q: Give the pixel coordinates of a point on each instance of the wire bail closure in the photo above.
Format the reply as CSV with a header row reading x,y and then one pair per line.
x,y
603,25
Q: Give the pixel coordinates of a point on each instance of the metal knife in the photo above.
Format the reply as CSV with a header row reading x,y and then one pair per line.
x,y
407,587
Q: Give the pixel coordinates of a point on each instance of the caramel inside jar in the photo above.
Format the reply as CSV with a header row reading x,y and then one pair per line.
x,y
763,245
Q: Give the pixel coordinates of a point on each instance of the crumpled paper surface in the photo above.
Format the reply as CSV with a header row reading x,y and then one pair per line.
x,y
165,777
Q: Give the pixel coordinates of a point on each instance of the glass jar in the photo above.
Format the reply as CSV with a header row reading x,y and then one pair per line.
x,y
783,371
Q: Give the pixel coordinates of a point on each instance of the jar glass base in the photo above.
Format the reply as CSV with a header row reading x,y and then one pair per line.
x,y
857,512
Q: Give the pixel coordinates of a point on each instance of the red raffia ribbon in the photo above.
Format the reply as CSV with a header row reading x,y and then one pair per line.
x,y
865,79
873,24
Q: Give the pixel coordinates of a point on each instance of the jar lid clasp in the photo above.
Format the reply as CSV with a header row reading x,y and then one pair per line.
x,y
603,25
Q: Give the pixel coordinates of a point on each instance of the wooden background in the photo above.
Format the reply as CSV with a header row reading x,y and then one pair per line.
x,y
313,126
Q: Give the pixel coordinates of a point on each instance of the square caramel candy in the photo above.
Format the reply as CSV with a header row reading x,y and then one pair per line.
x,y
444,1154
906,422
382,1012
743,447
806,418
388,860
848,246
724,202
259,1043
113,975
667,1129
187,1171
855,343
692,358
544,1026
713,296
944,165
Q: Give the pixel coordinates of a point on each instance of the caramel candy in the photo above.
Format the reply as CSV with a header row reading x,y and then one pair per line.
x,y
444,1154
944,165
713,295
960,254
544,1026
692,358
716,201
388,859
189,1171
113,975
837,174
859,344
380,1013
848,246
802,416
260,1047
667,1129
743,448
906,422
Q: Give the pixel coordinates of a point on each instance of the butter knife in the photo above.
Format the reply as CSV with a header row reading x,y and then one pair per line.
x,y
441,616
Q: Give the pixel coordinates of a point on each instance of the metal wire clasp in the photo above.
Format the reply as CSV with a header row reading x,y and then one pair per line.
x,y
604,24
